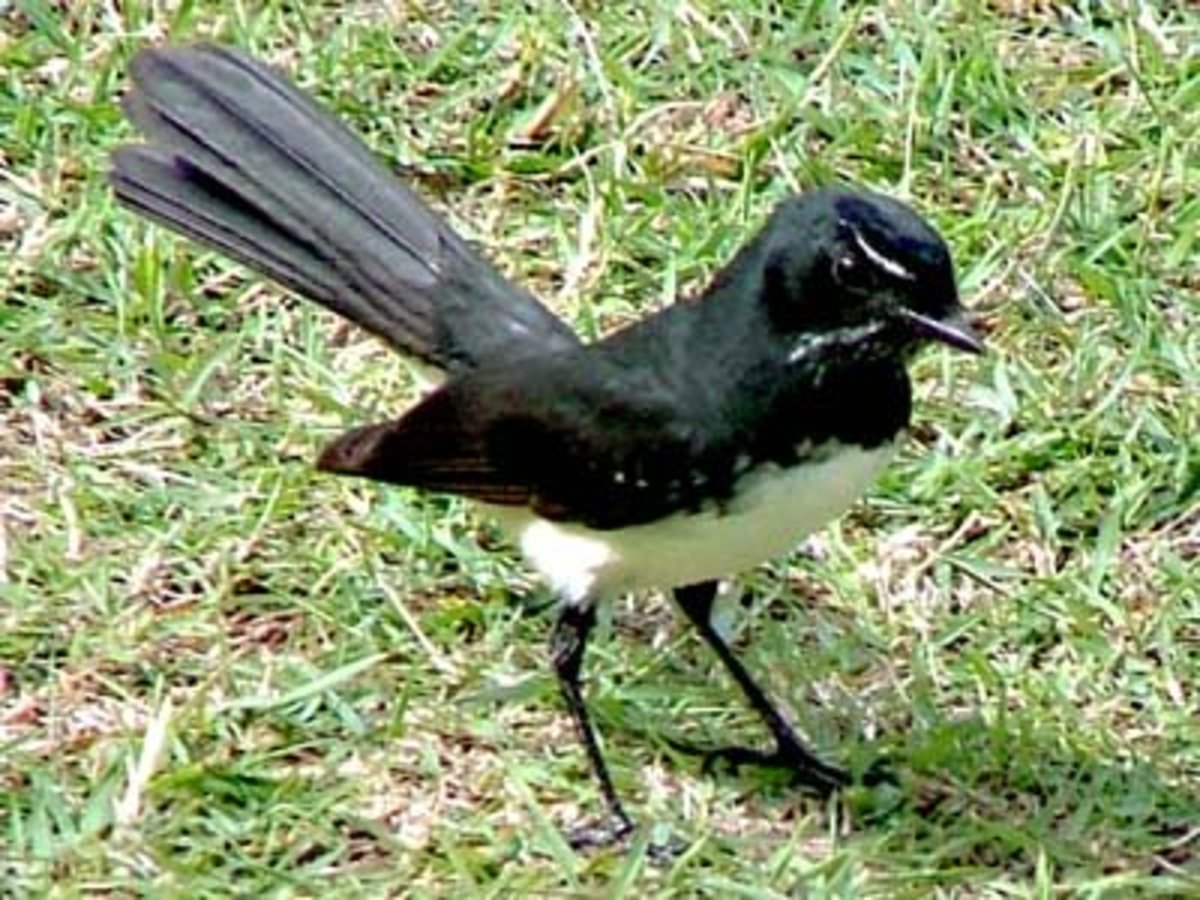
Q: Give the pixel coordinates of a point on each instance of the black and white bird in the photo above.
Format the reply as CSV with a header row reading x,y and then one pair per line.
x,y
699,442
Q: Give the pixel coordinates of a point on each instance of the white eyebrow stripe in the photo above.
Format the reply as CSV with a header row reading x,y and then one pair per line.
x,y
886,263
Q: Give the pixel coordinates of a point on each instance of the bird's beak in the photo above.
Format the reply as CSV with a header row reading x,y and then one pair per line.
x,y
952,329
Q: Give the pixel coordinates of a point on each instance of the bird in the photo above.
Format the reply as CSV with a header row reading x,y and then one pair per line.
x,y
702,440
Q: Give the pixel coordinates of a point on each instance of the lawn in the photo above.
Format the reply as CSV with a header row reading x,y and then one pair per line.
x,y
222,673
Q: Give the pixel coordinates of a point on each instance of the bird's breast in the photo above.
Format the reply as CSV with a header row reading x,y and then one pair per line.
x,y
771,509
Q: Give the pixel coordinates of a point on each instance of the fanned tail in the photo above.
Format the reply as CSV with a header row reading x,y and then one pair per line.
x,y
242,161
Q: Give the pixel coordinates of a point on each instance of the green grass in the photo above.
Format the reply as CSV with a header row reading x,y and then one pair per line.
x,y
222,673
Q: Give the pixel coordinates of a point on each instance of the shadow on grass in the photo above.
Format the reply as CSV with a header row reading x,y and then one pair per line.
x,y
969,796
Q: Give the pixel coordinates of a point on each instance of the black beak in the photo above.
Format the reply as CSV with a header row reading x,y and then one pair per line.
x,y
952,329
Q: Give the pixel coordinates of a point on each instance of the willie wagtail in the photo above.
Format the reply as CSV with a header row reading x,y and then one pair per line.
x,y
703,440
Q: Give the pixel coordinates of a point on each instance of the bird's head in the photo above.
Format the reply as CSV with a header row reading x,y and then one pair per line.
x,y
852,261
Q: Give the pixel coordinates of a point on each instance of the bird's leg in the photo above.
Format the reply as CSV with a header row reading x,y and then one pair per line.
x,y
696,601
568,641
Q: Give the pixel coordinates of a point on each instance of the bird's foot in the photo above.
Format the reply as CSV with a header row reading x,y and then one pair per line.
x,y
607,832
613,831
806,769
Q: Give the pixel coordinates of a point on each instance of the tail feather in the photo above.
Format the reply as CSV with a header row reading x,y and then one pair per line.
x,y
242,161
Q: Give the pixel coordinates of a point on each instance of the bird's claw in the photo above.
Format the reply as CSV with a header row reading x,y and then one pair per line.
x,y
607,832
612,831
806,770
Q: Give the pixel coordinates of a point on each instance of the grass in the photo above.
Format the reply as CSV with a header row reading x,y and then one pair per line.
x,y
223,674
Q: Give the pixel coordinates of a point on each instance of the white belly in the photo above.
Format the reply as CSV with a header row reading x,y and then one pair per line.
x,y
772,511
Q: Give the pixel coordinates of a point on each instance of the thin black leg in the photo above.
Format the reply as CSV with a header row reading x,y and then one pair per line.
x,y
568,641
696,601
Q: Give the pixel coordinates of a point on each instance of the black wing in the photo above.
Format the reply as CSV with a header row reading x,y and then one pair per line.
x,y
570,437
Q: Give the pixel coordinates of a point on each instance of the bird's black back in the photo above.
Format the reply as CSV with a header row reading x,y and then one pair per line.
x,y
662,417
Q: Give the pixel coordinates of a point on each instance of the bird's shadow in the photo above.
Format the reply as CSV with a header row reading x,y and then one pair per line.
x,y
965,795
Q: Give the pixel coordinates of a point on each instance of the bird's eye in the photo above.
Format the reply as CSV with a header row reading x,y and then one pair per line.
x,y
852,271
